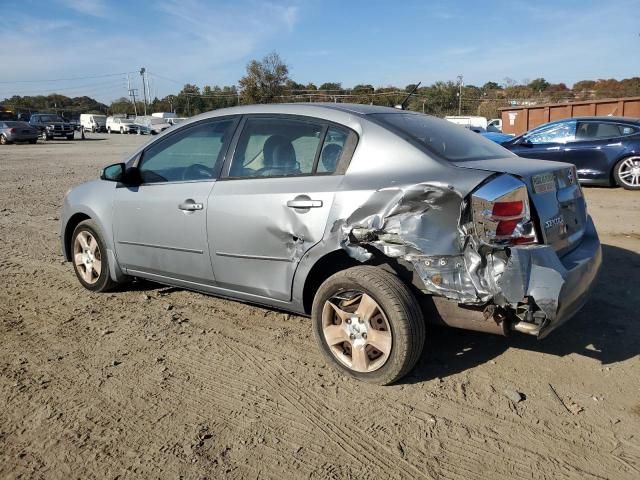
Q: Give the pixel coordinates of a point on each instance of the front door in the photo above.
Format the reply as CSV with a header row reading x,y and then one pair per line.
x,y
547,143
273,203
160,226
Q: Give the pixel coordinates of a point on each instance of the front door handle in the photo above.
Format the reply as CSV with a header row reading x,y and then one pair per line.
x,y
303,203
190,206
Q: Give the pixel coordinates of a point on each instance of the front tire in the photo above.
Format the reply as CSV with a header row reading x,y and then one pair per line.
x,y
109,130
3,140
368,324
89,257
70,137
627,173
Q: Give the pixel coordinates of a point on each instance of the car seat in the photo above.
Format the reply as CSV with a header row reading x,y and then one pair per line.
x,y
279,157
330,156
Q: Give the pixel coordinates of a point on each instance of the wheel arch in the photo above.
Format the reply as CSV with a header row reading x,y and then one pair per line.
x,y
71,225
323,268
338,260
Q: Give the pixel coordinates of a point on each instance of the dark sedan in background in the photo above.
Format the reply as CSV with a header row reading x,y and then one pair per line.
x,y
13,131
605,150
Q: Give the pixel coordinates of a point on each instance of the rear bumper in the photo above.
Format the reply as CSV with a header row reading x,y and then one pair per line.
x,y
559,287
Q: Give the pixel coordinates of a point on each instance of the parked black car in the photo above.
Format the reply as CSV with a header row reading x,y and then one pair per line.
x,y
50,125
605,150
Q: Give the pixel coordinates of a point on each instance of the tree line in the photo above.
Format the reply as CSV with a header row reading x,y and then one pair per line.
x,y
268,81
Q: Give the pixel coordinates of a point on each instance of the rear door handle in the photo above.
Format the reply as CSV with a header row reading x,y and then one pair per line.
x,y
190,206
300,203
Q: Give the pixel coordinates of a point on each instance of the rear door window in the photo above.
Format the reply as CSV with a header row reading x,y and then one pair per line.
x,y
598,130
276,147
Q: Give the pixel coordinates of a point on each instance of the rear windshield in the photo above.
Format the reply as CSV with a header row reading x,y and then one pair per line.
x,y
17,124
442,138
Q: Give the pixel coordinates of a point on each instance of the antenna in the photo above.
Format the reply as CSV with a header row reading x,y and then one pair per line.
x,y
404,102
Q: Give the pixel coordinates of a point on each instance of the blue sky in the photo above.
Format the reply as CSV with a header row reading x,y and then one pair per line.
x,y
378,42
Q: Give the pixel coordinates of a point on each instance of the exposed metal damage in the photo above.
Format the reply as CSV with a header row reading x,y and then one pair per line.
x,y
415,224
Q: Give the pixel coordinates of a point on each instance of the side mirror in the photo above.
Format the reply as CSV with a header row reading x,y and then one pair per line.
x,y
113,173
525,142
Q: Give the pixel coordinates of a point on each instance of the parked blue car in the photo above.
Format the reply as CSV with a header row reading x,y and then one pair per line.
x,y
605,150
497,137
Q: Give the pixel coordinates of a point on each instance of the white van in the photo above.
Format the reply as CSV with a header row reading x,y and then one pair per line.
x,y
470,122
93,122
164,115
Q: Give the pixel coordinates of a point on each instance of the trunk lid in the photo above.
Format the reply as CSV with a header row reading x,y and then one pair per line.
x,y
555,195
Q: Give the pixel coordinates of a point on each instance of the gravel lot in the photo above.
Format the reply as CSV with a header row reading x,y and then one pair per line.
x,y
156,382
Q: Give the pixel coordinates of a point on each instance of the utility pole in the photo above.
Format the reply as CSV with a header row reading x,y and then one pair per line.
x,y
148,89
460,84
132,95
144,89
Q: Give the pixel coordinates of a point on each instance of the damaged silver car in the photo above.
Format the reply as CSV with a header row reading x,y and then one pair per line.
x,y
373,221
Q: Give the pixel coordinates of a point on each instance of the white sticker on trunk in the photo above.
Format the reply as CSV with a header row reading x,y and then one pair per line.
x,y
543,183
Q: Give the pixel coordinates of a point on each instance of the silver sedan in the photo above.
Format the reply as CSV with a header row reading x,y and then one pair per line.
x,y
14,131
371,220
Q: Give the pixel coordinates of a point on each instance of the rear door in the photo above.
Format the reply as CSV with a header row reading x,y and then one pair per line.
x,y
547,142
273,202
596,142
160,225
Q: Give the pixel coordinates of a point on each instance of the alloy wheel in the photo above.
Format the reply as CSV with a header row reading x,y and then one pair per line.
x,y
629,172
357,331
87,257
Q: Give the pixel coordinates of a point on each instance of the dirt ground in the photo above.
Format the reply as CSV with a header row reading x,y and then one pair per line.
x,y
156,382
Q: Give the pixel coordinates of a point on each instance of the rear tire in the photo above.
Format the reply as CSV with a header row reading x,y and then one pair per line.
x,y
34,141
89,258
627,173
368,324
109,130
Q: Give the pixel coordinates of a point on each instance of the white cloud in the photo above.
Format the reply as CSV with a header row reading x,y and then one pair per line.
x,y
190,41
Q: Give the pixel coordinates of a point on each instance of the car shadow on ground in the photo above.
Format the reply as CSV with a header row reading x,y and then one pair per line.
x,y
607,329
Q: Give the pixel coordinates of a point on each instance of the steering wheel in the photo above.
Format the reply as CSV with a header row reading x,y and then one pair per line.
x,y
197,171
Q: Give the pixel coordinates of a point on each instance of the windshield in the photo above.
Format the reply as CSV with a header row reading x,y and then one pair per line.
x,y
16,124
445,139
126,120
50,118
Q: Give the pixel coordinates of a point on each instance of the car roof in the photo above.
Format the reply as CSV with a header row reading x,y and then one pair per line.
x,y
603,118
303,108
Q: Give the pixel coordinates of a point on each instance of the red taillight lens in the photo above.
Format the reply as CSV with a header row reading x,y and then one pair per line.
x,y
13,130
500,211
506,227
508,209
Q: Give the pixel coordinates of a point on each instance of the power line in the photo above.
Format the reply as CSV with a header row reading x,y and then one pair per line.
x,y
6,82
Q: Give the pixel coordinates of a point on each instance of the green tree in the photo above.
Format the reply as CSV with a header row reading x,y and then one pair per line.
x,y
538,85
265,80
334,87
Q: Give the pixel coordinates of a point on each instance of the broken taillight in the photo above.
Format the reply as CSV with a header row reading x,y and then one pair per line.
x,y
501,214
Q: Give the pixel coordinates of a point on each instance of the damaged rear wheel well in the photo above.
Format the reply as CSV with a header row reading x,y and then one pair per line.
x,y
325,267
